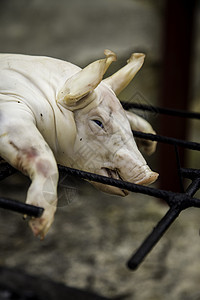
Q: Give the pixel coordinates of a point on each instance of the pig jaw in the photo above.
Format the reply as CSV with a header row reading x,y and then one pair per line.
x,y
144,176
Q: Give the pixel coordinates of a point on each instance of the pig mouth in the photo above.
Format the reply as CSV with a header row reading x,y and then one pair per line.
x,y
114,173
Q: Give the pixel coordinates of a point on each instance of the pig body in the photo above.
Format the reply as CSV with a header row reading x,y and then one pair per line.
x,y
52,112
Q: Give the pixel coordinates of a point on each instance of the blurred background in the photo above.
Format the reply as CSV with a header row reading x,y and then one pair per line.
x,y
94,234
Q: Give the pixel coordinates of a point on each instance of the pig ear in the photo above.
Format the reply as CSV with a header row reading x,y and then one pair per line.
x,y
84,82
119,80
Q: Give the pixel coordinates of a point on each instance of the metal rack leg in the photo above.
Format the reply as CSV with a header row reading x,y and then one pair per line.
x,y
153,238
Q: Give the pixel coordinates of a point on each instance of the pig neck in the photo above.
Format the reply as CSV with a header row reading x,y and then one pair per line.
x,y
61,131
67,132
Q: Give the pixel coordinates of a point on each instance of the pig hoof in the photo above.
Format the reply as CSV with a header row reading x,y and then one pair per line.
x,y
40,227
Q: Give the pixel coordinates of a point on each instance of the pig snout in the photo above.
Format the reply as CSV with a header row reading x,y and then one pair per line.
x,y
144,176
133,168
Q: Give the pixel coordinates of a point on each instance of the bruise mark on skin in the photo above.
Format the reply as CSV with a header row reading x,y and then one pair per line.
x,y
43,167
24,157
30,152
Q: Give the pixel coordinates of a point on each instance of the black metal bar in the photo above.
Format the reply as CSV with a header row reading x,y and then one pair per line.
x,y
167,140
158,193
153,237
161,110
194,203
193,187
19,207
177,204
190,173
136,188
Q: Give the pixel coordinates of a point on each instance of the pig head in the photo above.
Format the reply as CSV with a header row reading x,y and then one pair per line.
x,y
104,141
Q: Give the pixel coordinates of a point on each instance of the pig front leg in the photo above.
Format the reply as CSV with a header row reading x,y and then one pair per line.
x,y
22,145
139,124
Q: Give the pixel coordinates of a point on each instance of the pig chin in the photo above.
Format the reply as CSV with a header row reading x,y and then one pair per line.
x,y
110,189
143,178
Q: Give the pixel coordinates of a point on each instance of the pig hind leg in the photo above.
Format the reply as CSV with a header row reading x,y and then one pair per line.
x,y
22,145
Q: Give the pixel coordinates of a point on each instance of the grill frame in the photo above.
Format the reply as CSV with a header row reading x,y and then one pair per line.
x,y
177,202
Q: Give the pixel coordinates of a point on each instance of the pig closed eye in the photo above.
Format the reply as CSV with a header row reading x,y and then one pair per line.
x,y
99,123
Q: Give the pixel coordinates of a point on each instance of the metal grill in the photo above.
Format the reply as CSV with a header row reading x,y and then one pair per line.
x,y
176,201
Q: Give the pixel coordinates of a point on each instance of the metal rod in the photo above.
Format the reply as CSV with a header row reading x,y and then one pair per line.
x,y
193,187
167,140
136,188
160,110
190,173
158,193
162,226
153,238
19,207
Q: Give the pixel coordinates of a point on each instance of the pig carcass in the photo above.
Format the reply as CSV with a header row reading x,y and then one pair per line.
x,y
52,111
